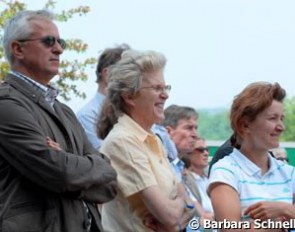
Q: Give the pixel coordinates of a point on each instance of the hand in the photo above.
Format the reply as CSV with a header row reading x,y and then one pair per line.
x,y
207,215
266,210
189,214
150,222
53,144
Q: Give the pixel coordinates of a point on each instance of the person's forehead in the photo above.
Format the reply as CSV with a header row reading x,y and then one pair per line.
x,y
44,28
154,76
199,143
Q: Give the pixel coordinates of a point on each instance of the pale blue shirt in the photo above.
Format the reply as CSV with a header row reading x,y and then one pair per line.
x,y
237,171
178,166
172,153
88,116
168,143
202,183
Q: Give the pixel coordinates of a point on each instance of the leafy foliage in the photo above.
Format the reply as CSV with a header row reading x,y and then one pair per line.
x,y
215,125
289,133
70,70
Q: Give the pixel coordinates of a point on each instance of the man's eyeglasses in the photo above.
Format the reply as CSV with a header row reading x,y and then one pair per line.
x,y
159,88
202,149
48,41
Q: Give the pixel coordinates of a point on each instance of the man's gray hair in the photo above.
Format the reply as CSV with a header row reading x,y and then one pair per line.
x,y
174,113
19,27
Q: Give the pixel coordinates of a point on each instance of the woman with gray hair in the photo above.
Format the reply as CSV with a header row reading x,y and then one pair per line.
x,y
149,198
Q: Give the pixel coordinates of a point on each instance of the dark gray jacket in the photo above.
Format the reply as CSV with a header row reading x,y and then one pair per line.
x,y
42,189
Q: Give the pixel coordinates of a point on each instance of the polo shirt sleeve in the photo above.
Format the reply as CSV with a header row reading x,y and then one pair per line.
x,y
224,172
130,158
293,179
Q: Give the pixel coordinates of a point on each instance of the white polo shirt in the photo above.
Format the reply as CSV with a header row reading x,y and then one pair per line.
x,y
236,170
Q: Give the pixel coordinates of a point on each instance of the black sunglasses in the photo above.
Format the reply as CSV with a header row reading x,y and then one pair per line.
x,y
202,149
48,41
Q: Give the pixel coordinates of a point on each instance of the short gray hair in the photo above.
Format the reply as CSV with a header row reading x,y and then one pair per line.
x,y
19,27
126,75
174,113
125,78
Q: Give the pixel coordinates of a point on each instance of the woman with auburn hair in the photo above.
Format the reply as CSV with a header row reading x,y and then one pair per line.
x,y
255,185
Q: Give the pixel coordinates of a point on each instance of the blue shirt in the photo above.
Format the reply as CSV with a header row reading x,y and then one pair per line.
x,y
175,162
168,143
88,117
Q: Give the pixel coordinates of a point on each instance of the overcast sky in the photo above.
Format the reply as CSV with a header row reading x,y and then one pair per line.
x,y
214,48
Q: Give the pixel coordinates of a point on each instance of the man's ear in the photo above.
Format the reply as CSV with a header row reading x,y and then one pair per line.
x,y
169,129
104,74
17,50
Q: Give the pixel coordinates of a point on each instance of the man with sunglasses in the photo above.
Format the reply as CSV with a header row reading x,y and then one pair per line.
x,y
196,175
51,177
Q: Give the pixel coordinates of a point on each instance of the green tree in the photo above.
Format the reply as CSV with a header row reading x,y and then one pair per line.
x,y
214,125
289,133
70,70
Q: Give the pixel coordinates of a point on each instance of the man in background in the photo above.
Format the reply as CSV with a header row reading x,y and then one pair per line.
x,y
198,164
178,132
89,114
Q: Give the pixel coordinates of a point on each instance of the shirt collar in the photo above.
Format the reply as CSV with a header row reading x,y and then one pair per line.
x,y
30,81
49,92
140,133
149,138
178,162
249,167
196,176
